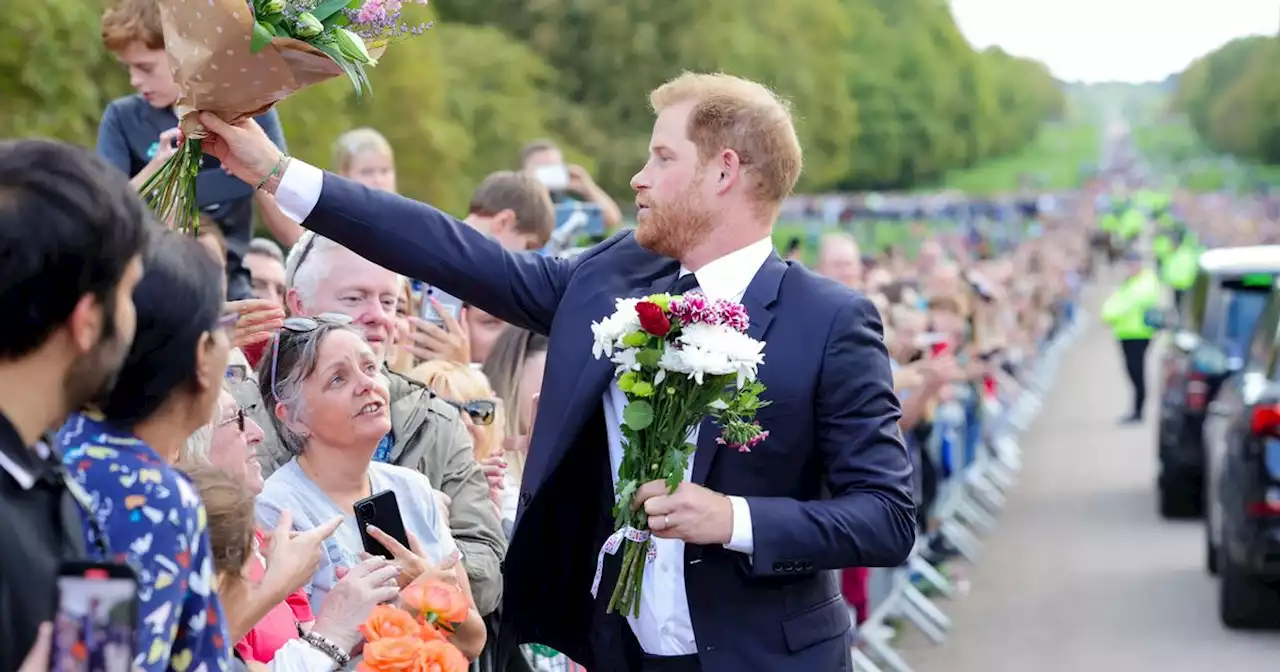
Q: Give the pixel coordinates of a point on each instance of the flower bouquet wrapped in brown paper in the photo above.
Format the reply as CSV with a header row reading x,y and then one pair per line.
x,y
236,59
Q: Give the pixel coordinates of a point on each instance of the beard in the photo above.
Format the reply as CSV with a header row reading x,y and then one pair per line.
x,y
674,227
92,377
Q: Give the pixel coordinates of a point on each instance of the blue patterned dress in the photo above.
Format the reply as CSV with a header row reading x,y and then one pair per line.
x,y
154,521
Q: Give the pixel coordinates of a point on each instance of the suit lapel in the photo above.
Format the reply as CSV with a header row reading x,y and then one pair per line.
x,y
758,300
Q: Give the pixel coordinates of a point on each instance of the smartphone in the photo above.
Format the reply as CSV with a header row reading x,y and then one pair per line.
x,y
96,619
554,177
451,305
381,511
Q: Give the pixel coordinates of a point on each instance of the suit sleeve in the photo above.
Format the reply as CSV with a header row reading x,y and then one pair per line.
x,y
869,518
421,242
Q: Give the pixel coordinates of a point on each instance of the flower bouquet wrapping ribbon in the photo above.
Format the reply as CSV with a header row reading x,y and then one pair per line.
x,y
611,546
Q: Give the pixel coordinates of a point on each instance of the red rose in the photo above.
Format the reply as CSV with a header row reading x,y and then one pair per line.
x,y
652,319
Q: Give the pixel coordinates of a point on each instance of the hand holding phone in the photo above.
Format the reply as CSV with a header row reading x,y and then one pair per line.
x,y
383,512
441,333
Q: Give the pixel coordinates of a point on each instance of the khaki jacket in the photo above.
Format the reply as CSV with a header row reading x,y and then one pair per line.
x,y
429,437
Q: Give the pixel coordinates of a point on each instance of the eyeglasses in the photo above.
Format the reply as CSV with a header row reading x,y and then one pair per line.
x,y
302,325
481,411
238,417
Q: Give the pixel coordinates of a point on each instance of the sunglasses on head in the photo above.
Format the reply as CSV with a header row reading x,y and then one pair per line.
x,y
301,325
481,411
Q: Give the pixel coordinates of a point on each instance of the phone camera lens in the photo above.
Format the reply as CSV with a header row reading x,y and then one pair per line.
x,y
367,510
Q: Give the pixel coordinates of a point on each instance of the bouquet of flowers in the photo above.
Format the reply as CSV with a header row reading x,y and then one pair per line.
x,y
398,640
236,59
679,359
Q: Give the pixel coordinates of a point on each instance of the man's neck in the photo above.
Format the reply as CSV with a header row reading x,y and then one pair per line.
x,y
33,398
721,243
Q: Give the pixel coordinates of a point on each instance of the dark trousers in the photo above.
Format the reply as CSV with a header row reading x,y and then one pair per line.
x,y
1135,363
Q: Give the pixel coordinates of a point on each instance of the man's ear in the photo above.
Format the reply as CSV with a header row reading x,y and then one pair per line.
x,y
85,323
503,222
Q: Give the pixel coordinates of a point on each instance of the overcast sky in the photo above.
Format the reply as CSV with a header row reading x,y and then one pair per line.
x,y
1102,40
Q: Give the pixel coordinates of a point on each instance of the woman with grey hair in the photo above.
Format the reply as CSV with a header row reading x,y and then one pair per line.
x,y
328,399
274,623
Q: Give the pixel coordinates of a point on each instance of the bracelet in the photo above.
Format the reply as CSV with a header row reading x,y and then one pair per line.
x,y
323,645
275,172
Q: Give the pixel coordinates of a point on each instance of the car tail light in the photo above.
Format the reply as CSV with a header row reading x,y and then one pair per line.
x,y
1265,420
1197,391
1269,506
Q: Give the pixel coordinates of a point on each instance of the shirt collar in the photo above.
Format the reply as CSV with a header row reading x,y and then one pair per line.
x,y
24,465
728,277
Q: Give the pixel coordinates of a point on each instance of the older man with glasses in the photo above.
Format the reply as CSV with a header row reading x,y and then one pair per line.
x,y
427,434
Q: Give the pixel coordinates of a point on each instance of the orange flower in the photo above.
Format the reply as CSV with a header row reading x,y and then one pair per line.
x,y
387,622
434,596
430,632
441,656
394,654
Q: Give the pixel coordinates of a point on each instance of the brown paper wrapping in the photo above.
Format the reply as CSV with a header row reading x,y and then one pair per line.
x,y
207,42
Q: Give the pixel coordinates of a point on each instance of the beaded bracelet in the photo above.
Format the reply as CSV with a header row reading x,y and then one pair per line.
x,y
275,171
323,645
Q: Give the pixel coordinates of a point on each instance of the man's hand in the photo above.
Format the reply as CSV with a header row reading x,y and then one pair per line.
x,y
450,343
691,513
495,471
166,147
292,559
244,149
259,319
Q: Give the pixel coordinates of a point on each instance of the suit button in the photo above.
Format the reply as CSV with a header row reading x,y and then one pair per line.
x,y
778,567
789,566
525,497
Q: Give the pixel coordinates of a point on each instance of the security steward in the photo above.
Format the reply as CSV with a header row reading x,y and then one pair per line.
x,y
1125,312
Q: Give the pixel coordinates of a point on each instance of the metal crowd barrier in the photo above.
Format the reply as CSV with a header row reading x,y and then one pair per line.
x,y
968,504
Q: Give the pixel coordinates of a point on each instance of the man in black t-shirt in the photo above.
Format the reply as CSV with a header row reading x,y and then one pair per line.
x,y
136,132
72,233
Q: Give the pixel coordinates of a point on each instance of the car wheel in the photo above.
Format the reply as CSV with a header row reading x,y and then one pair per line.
x,y
1244,601
1181,496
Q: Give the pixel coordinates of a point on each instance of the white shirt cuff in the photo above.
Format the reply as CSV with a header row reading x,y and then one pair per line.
x,y
741,539
299,190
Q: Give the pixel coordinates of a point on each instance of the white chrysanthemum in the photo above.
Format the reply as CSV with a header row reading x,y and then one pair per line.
x,y
625,358
714,350
607,334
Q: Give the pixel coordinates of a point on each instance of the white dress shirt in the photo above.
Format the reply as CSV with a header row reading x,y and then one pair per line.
x,y
664,627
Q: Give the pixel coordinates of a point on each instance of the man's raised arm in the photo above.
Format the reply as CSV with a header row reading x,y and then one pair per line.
x,y
397,233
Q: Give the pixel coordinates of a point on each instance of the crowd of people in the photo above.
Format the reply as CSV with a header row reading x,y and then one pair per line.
x,y
207,410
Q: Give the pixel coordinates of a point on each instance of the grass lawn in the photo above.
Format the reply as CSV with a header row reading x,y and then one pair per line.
x,y
1052,161
1173,147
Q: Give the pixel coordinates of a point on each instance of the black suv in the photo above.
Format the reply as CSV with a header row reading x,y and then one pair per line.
x,y
1210,333
1242,436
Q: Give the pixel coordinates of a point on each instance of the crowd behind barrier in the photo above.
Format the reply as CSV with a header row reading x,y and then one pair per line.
x,y
981,470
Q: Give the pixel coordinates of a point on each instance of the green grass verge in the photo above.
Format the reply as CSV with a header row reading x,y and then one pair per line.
x,y
1174,148
1054,160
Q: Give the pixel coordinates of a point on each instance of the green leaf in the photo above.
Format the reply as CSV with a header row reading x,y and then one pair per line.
x,y
328,8
649,358
638,415
262,35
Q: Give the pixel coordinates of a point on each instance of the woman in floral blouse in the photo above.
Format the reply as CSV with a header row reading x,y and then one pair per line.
x,y
148,515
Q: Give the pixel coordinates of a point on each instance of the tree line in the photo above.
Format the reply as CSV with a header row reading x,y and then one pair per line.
x,y
1231,96
888,94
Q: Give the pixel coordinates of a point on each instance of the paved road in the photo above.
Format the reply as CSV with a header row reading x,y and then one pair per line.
x,y
1081,575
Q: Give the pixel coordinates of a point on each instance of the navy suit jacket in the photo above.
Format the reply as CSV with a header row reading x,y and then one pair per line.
x,y
829,489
